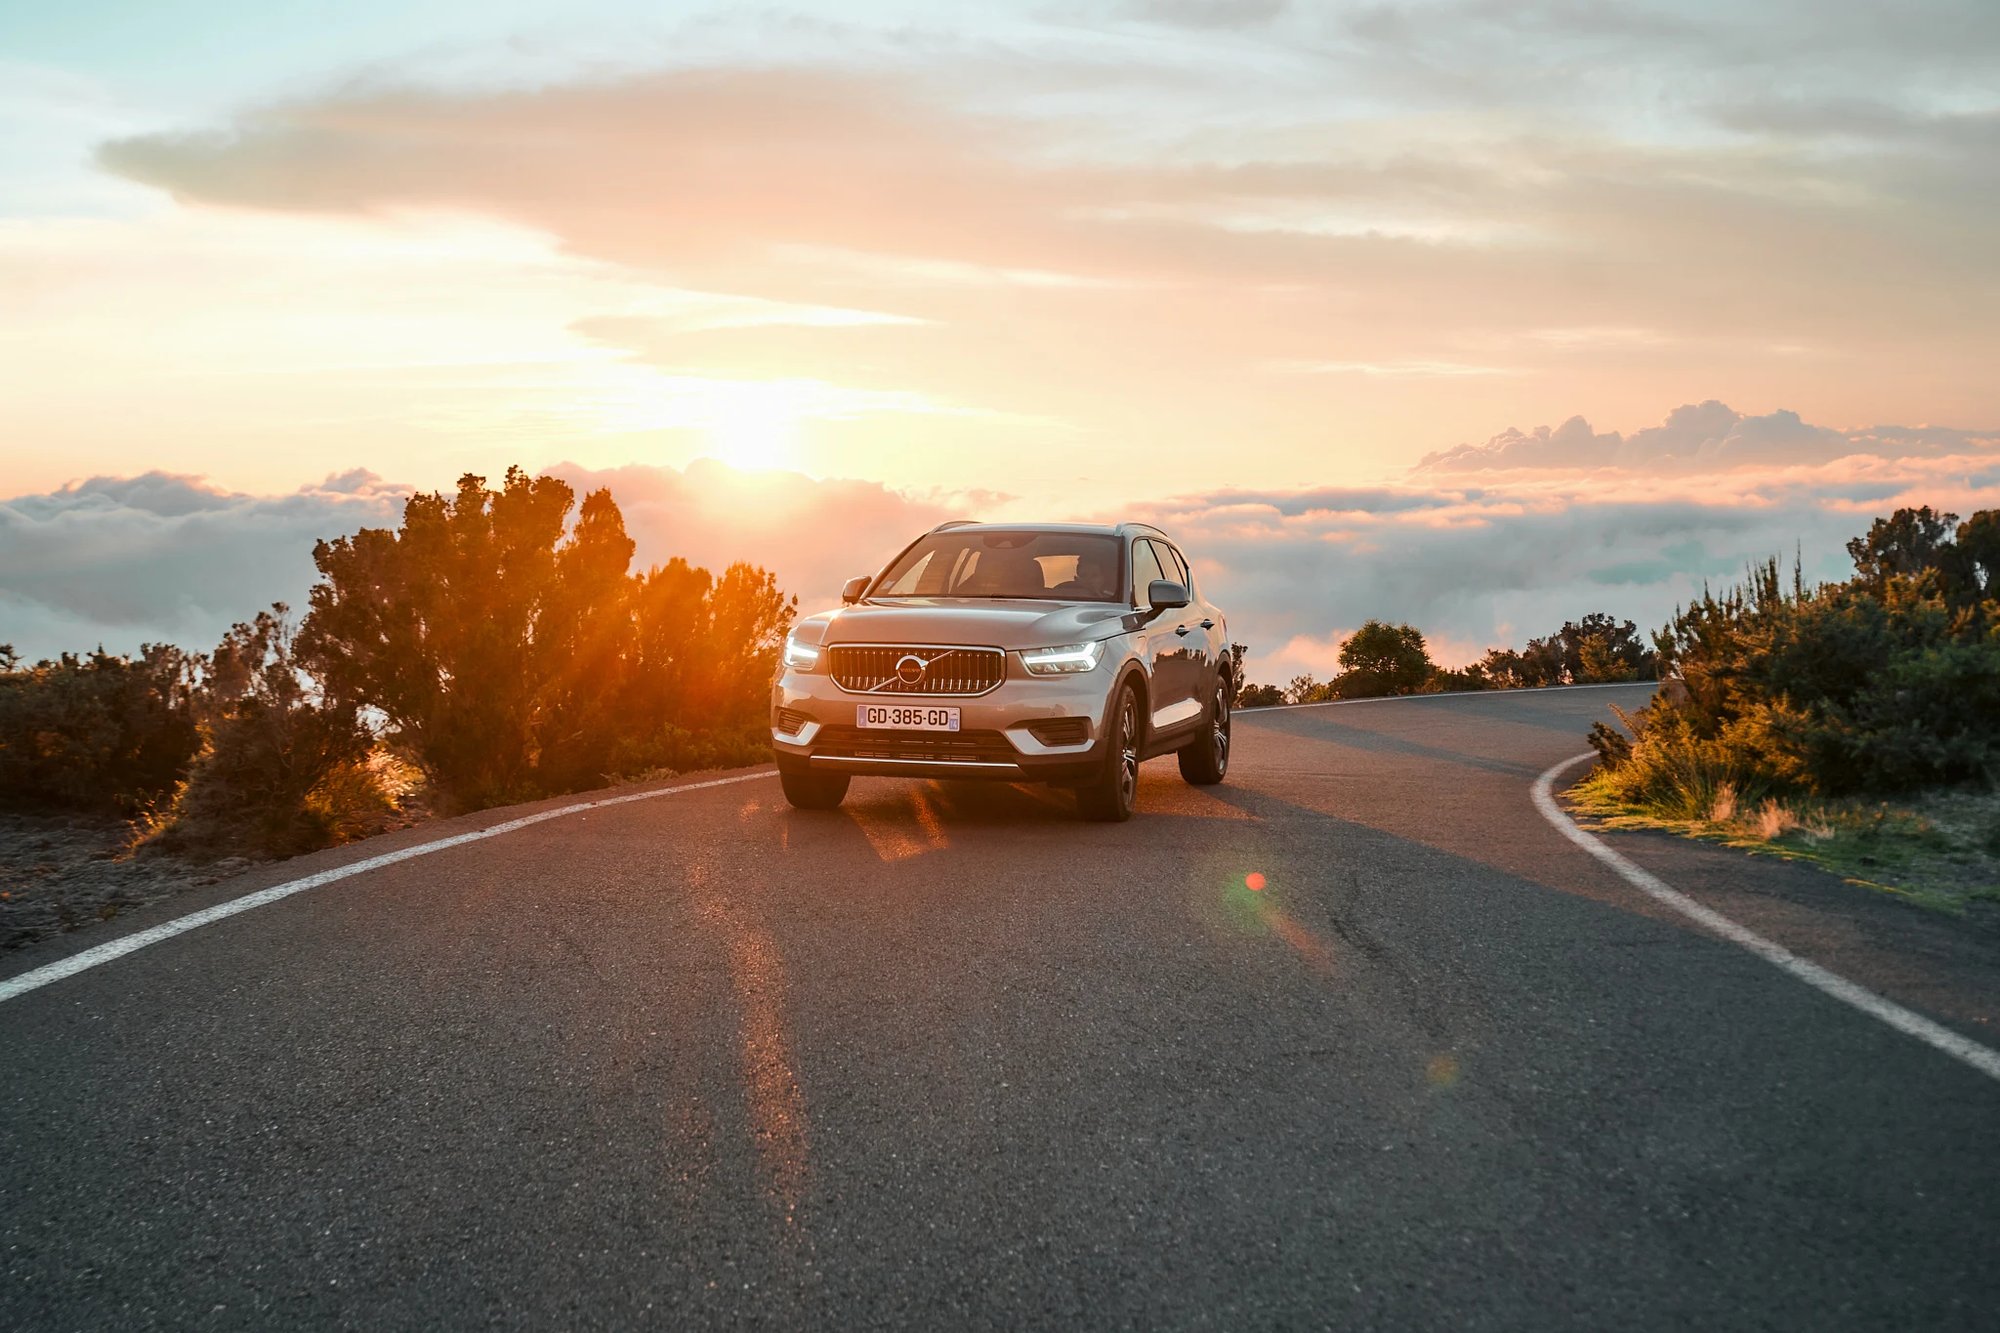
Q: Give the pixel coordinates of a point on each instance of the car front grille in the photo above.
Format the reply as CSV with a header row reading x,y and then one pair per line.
x,y
941,747
869,668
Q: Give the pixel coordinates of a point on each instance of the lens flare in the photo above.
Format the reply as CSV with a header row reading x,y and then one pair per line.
x,y
1254,881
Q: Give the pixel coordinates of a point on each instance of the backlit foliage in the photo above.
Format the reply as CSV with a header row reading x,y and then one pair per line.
x,y
1885,682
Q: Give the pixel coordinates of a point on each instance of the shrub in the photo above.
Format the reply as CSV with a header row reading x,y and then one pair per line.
x,y
1259,696
1596,649
1448,680
1671,770
1886,682
281,771
100,732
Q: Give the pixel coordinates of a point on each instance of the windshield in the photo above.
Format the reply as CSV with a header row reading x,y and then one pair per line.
x,y
981,562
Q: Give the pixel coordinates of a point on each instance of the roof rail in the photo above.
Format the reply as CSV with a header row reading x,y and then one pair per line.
x,y
956,523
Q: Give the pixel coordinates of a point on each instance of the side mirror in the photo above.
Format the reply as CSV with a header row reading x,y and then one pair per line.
x,y
851,591
1165,594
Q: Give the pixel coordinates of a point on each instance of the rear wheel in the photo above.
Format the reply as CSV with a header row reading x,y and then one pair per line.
x,y
1111,796
1205,760
813,791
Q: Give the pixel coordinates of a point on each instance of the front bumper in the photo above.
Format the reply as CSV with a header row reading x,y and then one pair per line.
x,y
995,739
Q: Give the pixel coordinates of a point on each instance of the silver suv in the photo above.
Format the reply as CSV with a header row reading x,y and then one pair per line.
x,y
1041,652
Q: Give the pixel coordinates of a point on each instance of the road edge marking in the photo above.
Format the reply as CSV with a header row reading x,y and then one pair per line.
x,y
1908,1022
97,955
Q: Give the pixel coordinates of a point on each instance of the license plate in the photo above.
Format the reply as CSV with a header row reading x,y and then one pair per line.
x,y
904,717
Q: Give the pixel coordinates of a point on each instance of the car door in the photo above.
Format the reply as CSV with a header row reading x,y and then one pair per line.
x,y
1169,654
1201,626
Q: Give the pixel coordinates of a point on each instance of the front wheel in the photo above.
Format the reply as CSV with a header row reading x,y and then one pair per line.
x,y
1111,796
1205,760
813,791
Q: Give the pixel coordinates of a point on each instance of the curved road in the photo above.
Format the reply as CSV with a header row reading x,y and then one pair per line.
x,y
952,1059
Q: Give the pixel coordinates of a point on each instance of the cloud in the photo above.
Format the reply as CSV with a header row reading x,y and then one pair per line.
x,y
1204,14
1048,265
1703,437
121,561
1495,564
1473,565
814,534
1473,558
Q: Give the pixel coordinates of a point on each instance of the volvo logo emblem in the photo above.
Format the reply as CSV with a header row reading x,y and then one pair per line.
x,y
911,669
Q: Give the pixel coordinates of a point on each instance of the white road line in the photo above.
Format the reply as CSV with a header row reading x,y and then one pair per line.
x,y
166,930
1936,1035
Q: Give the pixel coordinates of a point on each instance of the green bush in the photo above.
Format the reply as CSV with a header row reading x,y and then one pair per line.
x,y
1887,682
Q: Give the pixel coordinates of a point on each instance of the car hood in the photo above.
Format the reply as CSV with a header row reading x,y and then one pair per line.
x,y
971,621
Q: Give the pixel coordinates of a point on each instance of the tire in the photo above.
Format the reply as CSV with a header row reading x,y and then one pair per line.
x,y
1113,794
1205,760
813,791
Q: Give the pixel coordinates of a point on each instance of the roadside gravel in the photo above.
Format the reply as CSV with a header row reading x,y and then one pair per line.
x,y
60,872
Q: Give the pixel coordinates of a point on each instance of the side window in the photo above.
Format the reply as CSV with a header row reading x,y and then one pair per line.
x,y
1179,572
1145,568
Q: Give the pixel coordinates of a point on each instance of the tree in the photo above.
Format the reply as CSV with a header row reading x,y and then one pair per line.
x,y
1594,649
1380,659
1260,696
1461,679
587,634
1521,669
512,653
1979,549
457,627
1903,545
1304,689
1600,649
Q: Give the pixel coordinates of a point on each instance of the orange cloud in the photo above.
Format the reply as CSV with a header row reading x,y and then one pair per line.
x,y
1160,305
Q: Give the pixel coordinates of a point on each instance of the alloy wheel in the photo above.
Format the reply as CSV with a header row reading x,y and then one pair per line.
x,y
1128,742
1220,737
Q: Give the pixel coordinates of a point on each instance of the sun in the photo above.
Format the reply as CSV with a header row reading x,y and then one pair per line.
x,y
753,431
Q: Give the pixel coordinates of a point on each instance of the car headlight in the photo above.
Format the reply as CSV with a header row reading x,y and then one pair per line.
x,y
1065,660
800,656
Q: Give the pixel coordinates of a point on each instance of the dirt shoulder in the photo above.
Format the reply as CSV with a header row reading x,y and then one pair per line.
x,y
58,872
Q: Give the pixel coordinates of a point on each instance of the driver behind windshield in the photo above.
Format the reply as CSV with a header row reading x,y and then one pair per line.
x,y
998,565
1096,577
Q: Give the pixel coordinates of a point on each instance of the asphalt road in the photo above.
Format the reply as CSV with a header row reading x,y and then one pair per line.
x,y
949,1058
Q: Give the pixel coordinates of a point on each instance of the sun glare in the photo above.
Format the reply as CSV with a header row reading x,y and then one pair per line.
x,y
754,432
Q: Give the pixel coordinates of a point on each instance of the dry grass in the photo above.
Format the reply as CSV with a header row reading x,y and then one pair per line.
x,y
1939,849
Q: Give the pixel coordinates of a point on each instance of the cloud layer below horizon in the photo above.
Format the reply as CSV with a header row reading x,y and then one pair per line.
x,y
1483,546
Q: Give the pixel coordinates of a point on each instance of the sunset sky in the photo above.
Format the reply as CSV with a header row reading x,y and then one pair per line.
x,y
1323,287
